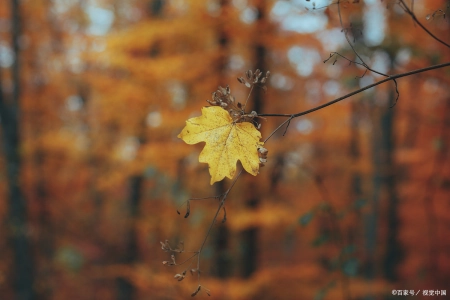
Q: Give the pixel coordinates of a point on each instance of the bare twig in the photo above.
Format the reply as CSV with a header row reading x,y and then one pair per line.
x,y
208,232
288,121
413,16
363,63
392,77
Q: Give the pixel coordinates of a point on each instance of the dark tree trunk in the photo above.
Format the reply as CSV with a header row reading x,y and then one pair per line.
x,y
17,221
393,252
222,258
250,244
250,235
371,218
435,273
126,290
223,261
384,183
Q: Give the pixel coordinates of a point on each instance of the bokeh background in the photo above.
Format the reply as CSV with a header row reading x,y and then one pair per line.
x,y
353,202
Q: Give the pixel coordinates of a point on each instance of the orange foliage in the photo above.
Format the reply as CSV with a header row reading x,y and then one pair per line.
x,y
103,171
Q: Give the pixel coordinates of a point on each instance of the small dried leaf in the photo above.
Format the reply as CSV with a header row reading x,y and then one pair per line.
x,y
196,291
247,84
262,149
181,246
241,79
234,114
188,209
180,277
222,91
165,246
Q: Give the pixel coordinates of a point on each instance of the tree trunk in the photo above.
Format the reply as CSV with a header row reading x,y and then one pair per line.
x,y
393,252
17,214
126,290
222,257
250,236
384,191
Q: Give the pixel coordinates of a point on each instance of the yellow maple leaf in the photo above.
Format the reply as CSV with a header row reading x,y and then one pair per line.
x,y
226,142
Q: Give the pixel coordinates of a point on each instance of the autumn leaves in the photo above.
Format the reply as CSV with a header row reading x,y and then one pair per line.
x,y
230,135
226,142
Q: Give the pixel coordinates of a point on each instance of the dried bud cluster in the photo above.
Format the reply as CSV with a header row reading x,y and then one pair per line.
x,y
223,98
170,263
181,276
166,247
254,78
198,290
262,153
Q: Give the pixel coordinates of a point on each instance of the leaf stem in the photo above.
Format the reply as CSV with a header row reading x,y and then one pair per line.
x,y
248,97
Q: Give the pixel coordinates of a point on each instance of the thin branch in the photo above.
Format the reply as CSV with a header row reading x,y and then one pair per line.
x,y
367,69
187,259
346,37
192,199
221,204
392,77
248,97
363,63
413,16
281,125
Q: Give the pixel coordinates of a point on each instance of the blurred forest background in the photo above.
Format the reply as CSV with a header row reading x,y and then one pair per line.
x,y
352,203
